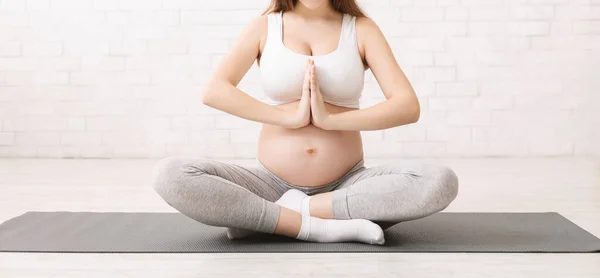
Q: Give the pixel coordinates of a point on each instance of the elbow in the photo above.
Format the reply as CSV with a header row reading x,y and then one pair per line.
x,y
204,96
410,112
416,114
208,93
205,99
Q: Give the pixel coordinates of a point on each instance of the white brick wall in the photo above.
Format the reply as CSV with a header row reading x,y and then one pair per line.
x,y
122,78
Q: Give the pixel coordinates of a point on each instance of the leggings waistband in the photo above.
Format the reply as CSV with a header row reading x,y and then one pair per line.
x,y
314,189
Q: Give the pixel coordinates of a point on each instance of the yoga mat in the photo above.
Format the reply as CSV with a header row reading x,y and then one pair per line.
x,y
143,232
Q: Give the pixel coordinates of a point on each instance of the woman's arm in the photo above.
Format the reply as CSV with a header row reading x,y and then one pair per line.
x,y
401,106
221,92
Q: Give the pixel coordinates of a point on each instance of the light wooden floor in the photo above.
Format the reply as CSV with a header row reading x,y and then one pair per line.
x,y
570,186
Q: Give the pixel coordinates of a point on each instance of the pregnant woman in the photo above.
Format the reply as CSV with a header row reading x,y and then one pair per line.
x,y
309,182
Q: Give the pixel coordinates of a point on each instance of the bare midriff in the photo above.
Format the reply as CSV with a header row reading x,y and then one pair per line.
x,y
309,156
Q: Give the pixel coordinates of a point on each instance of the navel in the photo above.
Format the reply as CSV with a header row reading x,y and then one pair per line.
x,y
310,150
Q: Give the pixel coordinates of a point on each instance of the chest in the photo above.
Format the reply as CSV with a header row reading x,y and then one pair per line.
x,y
288,74
311,40
340,75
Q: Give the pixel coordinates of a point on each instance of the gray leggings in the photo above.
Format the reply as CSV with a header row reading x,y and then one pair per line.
x,y
229,195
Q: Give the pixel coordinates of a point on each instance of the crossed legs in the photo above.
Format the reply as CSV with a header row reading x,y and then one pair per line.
x,y
218,193
389,193
228,195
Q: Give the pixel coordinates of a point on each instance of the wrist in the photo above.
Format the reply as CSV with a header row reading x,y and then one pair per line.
x,y
282,117
289,119
329,122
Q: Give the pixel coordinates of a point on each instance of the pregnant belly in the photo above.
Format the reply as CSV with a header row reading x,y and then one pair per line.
x,y
309,156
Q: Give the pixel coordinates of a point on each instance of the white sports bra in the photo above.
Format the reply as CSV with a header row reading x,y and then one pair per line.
x,y
340,73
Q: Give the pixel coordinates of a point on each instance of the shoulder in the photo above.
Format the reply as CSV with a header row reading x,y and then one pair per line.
x,y
367,33
258,28
255,31
258,24
367,27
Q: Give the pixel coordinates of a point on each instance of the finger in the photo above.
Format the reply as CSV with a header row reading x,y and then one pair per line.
x,y
307,66
306,85
307,71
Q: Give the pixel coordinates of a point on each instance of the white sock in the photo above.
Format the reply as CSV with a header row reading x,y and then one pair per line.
x,y
295,199
318,229
334,230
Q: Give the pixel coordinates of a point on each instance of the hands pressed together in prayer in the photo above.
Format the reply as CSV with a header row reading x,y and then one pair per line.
x,y
311,108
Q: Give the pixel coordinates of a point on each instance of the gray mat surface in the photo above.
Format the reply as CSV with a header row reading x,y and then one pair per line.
x,y
143,232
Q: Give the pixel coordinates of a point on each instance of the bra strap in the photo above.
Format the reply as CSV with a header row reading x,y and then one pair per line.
x,y
280,24
349,28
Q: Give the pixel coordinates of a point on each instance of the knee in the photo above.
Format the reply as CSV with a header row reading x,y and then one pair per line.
x,y
439,183
167,174
444,186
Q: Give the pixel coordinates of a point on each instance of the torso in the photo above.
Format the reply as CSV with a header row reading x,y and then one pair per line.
x,y
309,156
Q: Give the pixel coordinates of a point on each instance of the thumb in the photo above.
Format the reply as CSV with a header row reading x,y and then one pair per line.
x,y
306,84
312,83
313,78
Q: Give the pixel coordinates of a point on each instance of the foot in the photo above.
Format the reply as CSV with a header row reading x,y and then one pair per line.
x,y
334,230
328,230
295,199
